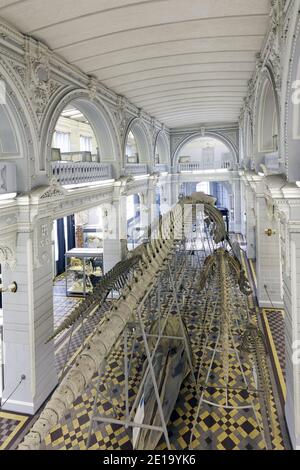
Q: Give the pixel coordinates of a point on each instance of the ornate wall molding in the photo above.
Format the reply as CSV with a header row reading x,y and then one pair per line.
x,y
268,64
42,80
8,249
291,54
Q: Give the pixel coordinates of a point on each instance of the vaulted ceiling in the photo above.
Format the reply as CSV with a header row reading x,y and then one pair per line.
x,y
185,62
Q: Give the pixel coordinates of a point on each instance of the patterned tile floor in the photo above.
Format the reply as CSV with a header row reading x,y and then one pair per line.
x,y
11,425
216,429
272,321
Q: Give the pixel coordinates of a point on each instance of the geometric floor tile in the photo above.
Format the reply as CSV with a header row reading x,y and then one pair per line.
x,y
274,328
215,429
10,426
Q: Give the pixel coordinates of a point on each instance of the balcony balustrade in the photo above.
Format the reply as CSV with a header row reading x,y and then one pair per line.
x,y
135,169
161,168
201,166
67,173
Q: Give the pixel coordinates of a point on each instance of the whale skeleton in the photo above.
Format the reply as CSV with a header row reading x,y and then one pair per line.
x,y
149,261
155,256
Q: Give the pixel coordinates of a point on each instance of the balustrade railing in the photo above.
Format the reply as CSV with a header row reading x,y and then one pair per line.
x,y
201,166
161,168
272,162
136,169
80,172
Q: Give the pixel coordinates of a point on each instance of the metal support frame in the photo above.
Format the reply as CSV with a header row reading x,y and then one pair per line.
x,y
175,281
208,336
175,269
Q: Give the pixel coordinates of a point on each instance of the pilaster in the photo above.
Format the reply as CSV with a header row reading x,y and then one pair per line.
x,y
115,229
268,255
28,321
250,220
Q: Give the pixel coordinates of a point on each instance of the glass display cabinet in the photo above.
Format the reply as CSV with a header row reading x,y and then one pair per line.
x,y
92,236
84,266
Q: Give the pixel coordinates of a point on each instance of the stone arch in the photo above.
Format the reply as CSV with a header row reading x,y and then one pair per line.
x,y
18,137
266,135
267,116
99,119
214,135
139,130
291,103
247,140
162,143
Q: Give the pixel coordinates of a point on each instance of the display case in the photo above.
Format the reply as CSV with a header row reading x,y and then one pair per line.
x,y
84,266
92,236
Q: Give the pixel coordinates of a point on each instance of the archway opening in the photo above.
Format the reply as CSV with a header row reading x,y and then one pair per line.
x,y
137,147
222,191
74,138
92,121
268,128
161,154
205,153
131,153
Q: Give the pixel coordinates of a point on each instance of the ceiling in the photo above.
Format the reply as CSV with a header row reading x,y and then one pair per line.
x,y
186,62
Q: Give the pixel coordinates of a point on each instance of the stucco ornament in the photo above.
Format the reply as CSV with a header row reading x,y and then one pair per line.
x,y
8,248
39,84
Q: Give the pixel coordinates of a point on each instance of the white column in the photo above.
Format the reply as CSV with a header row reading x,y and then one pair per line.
x,y
174,189
250,223
165,187
268,258
292,335
114,232
28,322
148,209
290,241
243,208
237,206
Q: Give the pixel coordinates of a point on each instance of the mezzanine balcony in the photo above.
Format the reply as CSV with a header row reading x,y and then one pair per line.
x,y
136,169
69,173
201,166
